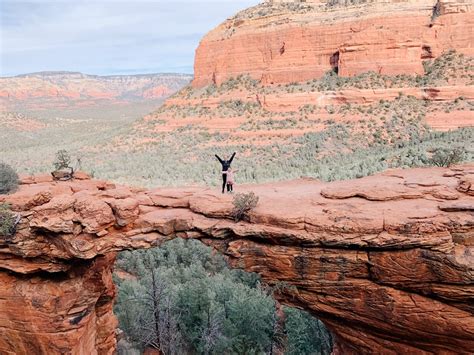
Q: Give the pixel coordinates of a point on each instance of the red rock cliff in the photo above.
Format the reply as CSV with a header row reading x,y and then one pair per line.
x,y
385,261
285,41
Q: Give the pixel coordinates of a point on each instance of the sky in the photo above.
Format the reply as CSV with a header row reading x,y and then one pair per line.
x,y
105,37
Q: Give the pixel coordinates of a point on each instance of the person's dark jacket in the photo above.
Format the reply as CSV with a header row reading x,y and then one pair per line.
x,y
226,163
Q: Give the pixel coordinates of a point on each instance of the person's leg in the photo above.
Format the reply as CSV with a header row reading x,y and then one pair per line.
x,y
224,181
229,187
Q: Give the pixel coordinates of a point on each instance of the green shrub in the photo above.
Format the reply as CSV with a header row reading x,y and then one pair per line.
x,y
63,160
243,203
8,179
333,3
436,11
7,221
445,157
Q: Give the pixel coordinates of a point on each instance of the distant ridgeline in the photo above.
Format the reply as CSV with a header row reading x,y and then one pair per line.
x,y
48,87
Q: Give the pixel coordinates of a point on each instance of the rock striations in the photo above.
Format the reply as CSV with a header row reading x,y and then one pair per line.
x,y
385,261
293,41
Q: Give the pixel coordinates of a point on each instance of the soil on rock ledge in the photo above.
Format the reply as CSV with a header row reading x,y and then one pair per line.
x,y
385,261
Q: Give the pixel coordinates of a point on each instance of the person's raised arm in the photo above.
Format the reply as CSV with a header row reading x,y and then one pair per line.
x,y
218,158
231,158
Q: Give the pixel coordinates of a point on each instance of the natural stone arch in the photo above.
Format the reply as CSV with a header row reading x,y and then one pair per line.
x,y
385,261
281,337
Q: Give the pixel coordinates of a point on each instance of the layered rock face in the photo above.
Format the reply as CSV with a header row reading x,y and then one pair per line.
x,y
385,261
281,69
291,41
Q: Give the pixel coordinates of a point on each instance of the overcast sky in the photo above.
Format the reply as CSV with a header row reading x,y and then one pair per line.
x,y
107,36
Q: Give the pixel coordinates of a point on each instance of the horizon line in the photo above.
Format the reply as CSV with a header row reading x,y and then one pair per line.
x,y
59,72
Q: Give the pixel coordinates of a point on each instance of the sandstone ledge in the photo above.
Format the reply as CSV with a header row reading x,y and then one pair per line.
x,y
385,261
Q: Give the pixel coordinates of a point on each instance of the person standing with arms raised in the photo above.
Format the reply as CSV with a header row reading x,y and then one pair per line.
x,y
225,167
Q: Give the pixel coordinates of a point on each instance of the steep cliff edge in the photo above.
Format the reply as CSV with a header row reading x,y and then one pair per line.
x,y
385,261
290,41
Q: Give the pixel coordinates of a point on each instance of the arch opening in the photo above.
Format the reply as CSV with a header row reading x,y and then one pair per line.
x,y
184,298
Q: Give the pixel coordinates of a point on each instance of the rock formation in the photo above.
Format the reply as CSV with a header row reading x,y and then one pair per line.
x,y
385,261
293,41
289,64
49,89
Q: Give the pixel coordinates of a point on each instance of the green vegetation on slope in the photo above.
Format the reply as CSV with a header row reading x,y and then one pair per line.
x,y
396,137
342,151
448,67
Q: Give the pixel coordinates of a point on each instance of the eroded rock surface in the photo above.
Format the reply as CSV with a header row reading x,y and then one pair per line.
x,y
385,261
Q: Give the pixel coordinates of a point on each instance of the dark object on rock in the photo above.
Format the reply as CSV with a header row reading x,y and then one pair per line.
x,y
63,175
457,207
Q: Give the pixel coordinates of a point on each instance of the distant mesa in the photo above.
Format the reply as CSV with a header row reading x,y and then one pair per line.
x,y
44,89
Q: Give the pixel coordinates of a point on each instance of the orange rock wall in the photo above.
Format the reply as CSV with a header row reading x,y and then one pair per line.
x,y
386,262
65,314
388,38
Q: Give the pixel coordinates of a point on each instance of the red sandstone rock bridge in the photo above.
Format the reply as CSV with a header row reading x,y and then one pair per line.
x,y
385,261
